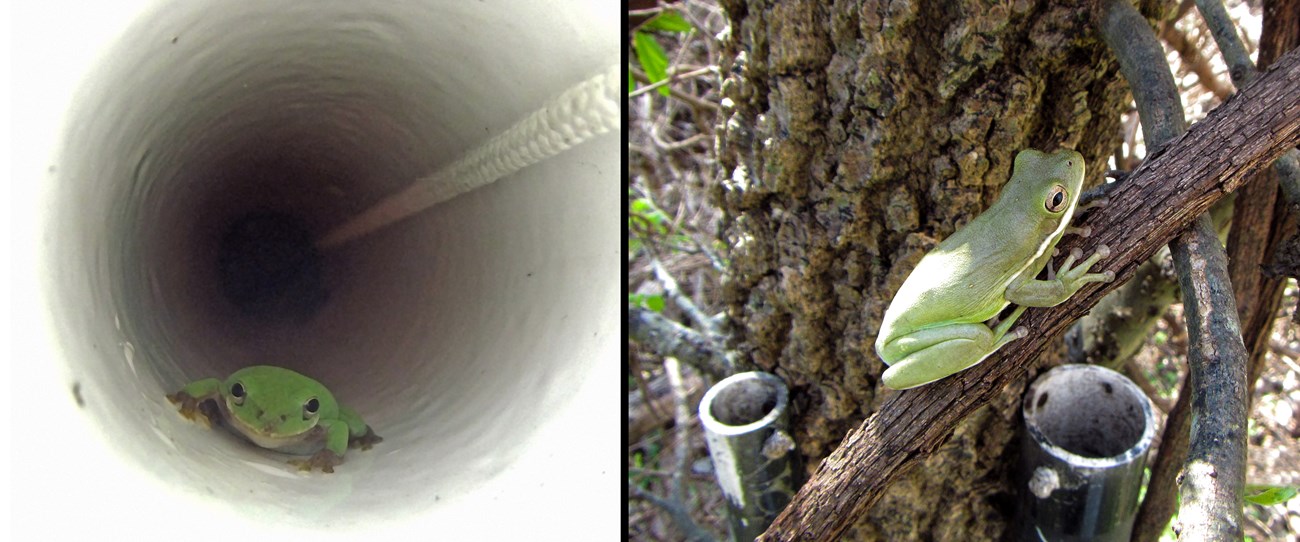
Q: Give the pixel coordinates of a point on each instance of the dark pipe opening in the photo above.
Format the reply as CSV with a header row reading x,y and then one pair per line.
x,y
270,269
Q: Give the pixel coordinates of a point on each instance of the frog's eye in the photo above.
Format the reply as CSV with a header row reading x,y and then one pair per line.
x,y
1056,201
310,408
237,391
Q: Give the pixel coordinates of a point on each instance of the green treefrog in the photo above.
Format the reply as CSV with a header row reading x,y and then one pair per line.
x,y
280,410
941,320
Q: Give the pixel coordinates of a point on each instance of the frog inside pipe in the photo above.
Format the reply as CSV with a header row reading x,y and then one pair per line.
x,y
941,321
279,410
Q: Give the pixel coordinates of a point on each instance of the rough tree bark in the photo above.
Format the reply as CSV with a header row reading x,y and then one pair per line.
x,y
855,135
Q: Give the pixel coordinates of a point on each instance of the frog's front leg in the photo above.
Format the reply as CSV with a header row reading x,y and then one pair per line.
x,y
1031,292
193,395
930,354
336,444
360,435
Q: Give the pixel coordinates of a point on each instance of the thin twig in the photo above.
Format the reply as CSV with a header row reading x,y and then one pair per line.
x,y
1240,68
644,386
692,100
702,321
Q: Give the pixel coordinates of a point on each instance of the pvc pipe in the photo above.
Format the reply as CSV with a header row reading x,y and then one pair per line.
x,y
1087,433
476,337
746,426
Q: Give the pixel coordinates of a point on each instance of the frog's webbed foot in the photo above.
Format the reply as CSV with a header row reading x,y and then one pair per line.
x,y
326,460
366,441
191,408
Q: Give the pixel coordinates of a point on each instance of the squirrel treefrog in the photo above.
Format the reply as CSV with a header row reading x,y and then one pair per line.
x,y
281,410
939,321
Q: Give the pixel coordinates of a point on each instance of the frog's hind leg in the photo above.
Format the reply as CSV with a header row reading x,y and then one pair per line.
x,y
939,352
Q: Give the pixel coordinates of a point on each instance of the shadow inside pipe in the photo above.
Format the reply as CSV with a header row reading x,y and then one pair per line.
x,y
269,268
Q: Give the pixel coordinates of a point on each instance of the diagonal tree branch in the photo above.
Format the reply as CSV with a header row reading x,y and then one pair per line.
x,y
669,338
1161,198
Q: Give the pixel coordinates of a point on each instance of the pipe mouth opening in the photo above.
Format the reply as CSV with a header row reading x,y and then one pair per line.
x,y
212,147
1089,413
744,402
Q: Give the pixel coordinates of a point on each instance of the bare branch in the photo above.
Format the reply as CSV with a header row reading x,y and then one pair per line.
x,y
1215,472
693,101
1214,477
669,338
702,321
1241,69
1261,221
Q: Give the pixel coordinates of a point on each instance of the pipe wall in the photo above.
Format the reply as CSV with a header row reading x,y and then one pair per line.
x,y
1087,433
478,337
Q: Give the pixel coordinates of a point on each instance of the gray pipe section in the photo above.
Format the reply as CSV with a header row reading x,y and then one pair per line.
x,y
746,420
1087,432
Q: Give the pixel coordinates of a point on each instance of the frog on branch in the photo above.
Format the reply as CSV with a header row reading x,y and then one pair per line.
x,y
940,321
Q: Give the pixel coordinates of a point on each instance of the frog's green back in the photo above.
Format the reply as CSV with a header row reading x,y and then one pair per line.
x,y
964,279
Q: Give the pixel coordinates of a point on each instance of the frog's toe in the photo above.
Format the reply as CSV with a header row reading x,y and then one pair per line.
x,y
326,460
1103,251
189,408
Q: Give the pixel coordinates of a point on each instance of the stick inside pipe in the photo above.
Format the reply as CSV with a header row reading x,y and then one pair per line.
x,y
580,113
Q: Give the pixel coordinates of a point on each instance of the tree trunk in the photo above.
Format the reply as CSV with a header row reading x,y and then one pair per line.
x,y
856,136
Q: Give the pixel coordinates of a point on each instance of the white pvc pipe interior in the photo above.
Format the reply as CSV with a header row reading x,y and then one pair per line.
x,y
479,337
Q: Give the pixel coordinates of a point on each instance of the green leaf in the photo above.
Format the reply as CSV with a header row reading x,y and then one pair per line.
x,y
653,302
631,83
669,21
645,209
1270,495
652,57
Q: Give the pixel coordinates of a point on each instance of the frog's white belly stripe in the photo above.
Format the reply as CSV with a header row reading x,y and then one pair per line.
x,y
1047,242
